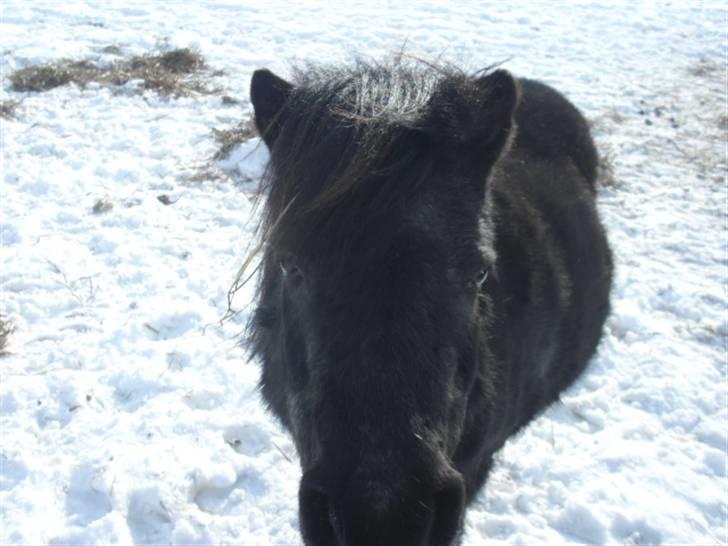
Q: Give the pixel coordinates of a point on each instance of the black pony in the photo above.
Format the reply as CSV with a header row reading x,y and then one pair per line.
x,y
432,279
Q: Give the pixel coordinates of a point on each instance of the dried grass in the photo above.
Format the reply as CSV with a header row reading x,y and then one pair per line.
x,y
101,206
6,329
228,139
8,108
605,171
174,73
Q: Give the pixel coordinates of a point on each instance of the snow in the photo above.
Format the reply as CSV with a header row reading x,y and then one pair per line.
x,y
129,413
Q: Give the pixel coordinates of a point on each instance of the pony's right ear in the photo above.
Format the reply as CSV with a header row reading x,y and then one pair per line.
x,y
268,93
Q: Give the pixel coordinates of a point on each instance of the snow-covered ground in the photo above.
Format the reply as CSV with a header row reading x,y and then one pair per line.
x,y
129,414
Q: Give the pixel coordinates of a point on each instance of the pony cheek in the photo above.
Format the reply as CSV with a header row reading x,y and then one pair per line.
x,y
304,433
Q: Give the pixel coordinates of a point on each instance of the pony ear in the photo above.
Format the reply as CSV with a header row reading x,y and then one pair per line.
x,y
268,93
499,95
477,115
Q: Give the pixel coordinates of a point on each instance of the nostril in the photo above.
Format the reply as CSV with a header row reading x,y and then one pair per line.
x,y
369,520
315,514
449,504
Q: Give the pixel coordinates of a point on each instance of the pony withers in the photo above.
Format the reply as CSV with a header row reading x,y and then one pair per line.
x,y
434,274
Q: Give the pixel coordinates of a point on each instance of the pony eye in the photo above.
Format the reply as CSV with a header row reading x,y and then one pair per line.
x,y
481,277
289,269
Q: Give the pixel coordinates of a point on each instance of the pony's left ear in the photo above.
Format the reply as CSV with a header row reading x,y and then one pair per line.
x,y
476,115
269,94
494,105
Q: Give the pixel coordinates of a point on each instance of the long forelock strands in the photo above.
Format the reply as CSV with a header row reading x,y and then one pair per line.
x,y
382,95
344,127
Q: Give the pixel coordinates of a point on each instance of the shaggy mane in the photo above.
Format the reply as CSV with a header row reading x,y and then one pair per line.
x,y
346,128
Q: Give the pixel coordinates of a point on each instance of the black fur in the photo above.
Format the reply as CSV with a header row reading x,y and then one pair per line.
x,y
394,190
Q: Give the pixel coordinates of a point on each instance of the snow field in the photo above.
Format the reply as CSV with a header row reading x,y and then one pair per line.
x,y
129,414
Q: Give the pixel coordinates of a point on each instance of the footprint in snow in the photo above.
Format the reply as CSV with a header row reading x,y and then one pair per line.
x,y
578,521
148,518
85,500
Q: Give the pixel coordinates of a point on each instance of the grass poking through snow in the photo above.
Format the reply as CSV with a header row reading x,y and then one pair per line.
x,y
230,138
174,73
7,108
6,328
606,177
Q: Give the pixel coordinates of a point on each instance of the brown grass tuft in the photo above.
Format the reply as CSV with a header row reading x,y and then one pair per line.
x,y
6,328
179,61
101,206
605,172
230,138
703,68
174,73
40,77
8,108
206,173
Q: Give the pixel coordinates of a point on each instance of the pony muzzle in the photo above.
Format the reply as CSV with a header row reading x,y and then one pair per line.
x,y
377,513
